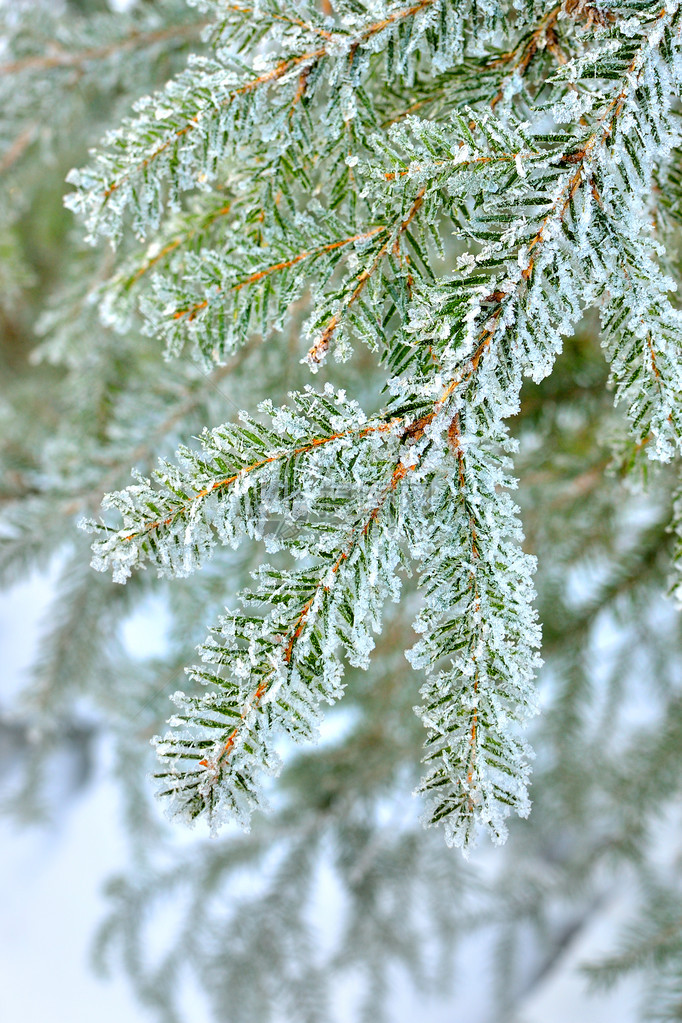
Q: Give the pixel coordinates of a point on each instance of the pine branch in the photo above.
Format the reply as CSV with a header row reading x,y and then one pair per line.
x,y
291,656
230,478
137,39
547,223
318,351
220,105
226,310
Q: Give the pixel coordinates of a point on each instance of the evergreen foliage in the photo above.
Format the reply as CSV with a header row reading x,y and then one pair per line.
x,y
554,223
446,197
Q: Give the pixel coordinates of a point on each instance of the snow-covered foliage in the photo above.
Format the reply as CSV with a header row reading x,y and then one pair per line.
x,y
326,158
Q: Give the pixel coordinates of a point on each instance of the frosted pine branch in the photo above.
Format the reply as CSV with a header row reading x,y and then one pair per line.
x,y
453,187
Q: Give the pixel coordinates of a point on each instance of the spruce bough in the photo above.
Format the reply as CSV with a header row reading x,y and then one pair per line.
x,y
453,185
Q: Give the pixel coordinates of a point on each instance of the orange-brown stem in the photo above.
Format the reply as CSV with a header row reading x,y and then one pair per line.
x,y
136,40
455,441
17,149
273,75
191,311
172,246
224,483
416,168
321,346
298,626
314,29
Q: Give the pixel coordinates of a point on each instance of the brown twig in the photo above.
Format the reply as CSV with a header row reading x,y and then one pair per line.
x,y
176,243
292,636
476,160
318,351
18,147
191,311
273,75
136,40
222,484
455,442
314,29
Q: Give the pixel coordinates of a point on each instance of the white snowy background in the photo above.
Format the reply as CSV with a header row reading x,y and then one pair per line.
x,y
51,900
